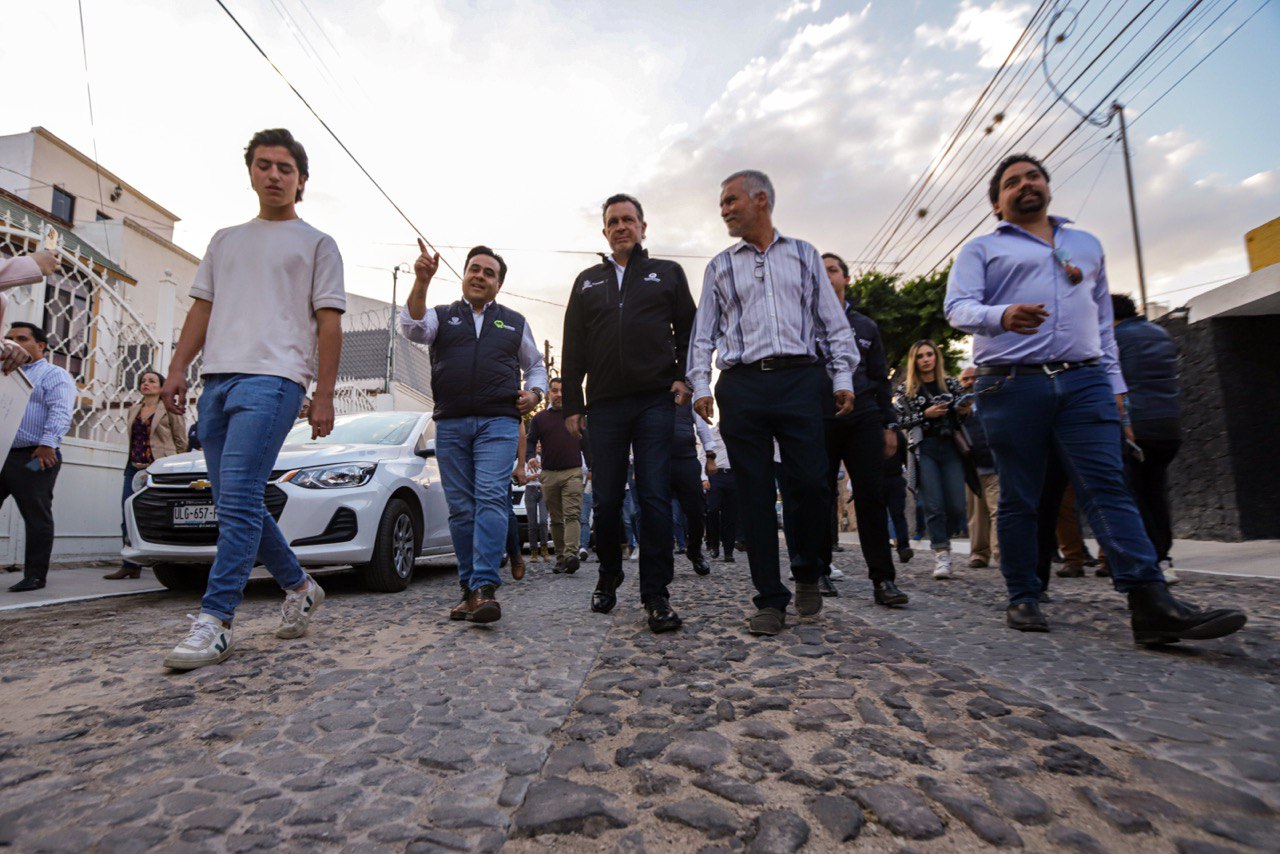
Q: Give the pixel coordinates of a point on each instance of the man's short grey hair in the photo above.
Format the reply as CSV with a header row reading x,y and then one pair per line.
x,y
755,182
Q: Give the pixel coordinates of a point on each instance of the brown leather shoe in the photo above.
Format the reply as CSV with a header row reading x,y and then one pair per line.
x,y
1071,570
517,567
124,572
463,609
485,607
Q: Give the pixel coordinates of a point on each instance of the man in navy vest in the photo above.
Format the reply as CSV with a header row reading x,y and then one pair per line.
x,y
479,350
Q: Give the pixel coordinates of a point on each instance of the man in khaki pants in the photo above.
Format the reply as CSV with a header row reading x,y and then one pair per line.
x,y
984,546
562,459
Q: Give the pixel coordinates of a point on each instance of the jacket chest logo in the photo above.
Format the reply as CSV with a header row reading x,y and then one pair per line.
x,y
590,284
652,277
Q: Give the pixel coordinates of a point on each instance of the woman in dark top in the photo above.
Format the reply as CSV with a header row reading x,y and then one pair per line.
x,y
924,407
154,432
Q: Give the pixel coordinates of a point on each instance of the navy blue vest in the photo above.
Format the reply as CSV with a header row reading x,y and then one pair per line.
x,y
473,376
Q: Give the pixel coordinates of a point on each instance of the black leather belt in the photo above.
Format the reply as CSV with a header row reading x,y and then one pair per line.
x,y
1049,368
778,363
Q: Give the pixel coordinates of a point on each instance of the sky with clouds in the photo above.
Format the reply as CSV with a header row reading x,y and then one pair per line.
x,y
508,122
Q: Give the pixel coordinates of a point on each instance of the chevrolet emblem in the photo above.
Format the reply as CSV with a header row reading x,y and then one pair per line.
x,y
200,484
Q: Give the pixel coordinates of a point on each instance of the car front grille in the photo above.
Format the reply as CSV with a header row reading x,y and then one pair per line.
x,y
153,513
169,478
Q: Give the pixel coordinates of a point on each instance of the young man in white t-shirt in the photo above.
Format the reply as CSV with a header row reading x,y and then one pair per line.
x,y
268,299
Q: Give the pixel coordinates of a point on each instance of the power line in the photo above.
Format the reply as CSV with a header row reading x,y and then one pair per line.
x,y
93,128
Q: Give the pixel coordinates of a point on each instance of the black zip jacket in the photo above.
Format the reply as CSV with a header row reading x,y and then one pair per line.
x,y
633,340
871,388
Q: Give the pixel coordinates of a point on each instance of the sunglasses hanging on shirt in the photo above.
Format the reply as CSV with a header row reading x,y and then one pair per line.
x,y
1074,274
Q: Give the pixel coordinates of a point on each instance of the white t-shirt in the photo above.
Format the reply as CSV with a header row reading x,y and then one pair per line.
x,y
266,279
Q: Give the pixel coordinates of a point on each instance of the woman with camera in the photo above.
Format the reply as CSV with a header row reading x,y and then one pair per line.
x,y
930,415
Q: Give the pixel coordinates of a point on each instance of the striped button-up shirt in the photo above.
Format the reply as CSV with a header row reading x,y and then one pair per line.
x,y
779,302
48,415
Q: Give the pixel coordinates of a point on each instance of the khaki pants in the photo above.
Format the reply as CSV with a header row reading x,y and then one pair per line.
x,y
983,541
562,490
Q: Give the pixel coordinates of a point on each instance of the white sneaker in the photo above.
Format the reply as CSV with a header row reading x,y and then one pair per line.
x,y
1170,577
836,574
635,554
297,609
942,564
208,642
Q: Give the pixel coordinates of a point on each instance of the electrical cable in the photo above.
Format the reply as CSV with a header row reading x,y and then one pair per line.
x,y
93,127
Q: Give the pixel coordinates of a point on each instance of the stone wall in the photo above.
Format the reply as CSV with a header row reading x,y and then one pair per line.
x,y
1225,483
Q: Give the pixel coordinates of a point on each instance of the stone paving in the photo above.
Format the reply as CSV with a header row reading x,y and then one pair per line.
x,y
390,728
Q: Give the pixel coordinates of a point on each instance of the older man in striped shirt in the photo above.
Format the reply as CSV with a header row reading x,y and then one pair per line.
x,y
32,464
768,310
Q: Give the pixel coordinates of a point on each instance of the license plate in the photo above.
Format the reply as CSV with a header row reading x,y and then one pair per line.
x,y
195,515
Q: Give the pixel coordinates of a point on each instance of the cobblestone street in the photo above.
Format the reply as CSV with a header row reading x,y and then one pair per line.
x,y
388,727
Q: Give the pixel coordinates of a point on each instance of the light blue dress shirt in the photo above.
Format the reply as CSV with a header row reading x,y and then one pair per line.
x,y
49,409
1010,266
779,302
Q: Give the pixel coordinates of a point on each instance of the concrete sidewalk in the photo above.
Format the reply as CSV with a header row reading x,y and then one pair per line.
x,y
1253,559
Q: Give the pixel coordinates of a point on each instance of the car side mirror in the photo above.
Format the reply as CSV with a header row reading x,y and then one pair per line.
x,y
429,450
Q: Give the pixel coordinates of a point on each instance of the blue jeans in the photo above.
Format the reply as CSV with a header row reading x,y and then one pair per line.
x,y
941,488
243,421
585,521
1072,414
643,424
476,456
129,472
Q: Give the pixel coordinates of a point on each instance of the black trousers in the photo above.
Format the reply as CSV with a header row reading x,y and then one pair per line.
x,y
686,487
642,426
858,442
1150,487
33,493
895,495
722,512
756,408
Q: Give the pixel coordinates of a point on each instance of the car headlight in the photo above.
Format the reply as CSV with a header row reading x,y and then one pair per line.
x,y
341,476
139,480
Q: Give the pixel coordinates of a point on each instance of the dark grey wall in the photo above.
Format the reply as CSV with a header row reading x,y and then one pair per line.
x,y
1225,483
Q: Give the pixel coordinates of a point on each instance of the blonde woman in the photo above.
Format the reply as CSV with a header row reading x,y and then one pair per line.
x,y
924,408
154,432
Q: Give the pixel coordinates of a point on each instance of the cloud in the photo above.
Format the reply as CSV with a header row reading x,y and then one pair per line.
x,y
798,7
994,29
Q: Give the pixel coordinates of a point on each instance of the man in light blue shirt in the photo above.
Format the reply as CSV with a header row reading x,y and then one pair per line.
x,y
32,464
1034,295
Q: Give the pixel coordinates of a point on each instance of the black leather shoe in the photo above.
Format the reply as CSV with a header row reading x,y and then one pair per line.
x,y
905,554
1044,596
715,552
27,584
661,616
1158,618
571,564
1026,617
700,564
606,593
808,599
825,587
729,559
887,593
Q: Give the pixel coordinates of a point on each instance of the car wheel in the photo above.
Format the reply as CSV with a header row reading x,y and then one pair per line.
x,y
394,549
183,576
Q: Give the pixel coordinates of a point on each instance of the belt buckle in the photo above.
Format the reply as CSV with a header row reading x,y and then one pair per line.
x,y
1062,367
766,364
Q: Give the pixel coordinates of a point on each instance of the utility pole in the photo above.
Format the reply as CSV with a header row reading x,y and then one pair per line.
x,y
1118,109
391,330
547,361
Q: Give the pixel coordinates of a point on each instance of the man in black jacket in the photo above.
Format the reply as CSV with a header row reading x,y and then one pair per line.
x,y
626,332
862,440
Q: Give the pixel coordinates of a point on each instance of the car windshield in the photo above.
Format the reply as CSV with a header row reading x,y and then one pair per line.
x,y
365,428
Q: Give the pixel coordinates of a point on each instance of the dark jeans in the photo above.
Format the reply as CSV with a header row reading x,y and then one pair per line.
x,y
513,528
1029,417
686,486
722,511
1055,487
758,407
858,442
129,473
895,496
1151,489
32,491
941,488
640,425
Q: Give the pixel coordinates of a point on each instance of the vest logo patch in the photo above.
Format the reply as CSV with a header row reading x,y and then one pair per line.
x,y
500,325
455,321
652,277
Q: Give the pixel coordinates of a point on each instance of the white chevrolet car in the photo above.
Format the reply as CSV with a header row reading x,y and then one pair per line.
x,y
367,495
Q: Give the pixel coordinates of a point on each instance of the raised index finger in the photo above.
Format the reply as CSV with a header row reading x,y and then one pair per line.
x,y
423,246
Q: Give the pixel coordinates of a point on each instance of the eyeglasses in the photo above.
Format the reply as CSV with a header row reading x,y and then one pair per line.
x,y
759,267
1063,257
